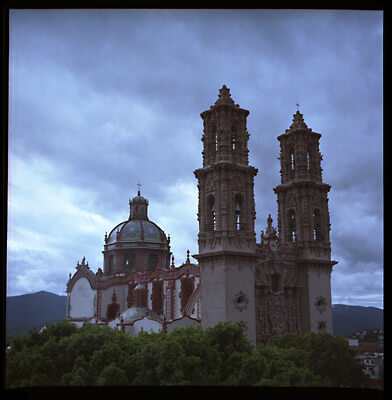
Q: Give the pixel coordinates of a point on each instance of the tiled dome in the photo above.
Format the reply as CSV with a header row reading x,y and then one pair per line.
x,y
137,230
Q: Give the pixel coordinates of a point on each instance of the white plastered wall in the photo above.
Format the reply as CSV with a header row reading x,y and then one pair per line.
x,y
148,325
220,285
82,300
319,286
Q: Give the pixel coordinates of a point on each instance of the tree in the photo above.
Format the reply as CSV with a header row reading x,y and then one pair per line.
x,y
221,355
330,358
112,375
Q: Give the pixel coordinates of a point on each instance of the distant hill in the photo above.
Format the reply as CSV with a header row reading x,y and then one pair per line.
x,y
29,310
350,319
35,309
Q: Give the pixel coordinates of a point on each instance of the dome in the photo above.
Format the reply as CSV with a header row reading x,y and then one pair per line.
x,y
134,313
137,230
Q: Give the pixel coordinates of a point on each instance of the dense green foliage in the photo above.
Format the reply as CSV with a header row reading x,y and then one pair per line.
x,y
63,355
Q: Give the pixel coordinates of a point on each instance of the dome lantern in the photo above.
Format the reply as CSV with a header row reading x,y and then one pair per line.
x,y
138,207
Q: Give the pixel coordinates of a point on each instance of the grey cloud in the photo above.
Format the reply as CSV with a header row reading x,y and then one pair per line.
x,y
113,97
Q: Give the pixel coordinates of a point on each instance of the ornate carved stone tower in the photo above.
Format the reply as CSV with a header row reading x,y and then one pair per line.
x,y
303,222
226,217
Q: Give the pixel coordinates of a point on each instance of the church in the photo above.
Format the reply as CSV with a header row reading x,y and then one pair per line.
x,y
280,284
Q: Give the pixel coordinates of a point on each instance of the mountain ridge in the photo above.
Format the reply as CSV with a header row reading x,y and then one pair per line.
x,y
25,311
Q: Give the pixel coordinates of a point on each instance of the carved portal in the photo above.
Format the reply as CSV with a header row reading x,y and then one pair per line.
x,y
277,301
113,308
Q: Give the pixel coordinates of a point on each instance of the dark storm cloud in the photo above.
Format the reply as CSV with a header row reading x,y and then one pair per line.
x,y
106,98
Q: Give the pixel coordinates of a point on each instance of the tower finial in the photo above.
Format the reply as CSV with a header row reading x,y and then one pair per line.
x,y
298,121
224,96
187,257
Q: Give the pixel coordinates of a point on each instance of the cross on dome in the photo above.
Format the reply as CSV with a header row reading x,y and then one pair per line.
x,y
138,185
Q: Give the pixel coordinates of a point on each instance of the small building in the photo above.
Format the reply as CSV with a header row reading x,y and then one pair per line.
x,y
353,342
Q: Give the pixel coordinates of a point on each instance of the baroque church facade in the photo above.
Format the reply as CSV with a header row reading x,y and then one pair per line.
x,y
281,284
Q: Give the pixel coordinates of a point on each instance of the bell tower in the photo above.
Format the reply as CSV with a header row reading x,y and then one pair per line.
x,y
226,217
303,221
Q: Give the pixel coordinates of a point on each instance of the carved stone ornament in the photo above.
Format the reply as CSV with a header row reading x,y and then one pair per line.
x,y
270,232
321,304
240,301
291,200
322,326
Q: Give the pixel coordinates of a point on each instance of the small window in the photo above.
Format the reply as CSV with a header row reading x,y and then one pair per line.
x,y
316,225
157,296
129,261
308,160
152,261
291,226
211,216
111,264
275,282
233,141
187,287
292,160
238,211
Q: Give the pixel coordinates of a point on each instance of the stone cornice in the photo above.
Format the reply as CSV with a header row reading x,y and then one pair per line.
x,y
298,131
302,184
218,255
148,276
103,282
225,165
320,263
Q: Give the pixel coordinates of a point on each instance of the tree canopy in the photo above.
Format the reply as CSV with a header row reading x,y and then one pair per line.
x,y
64,355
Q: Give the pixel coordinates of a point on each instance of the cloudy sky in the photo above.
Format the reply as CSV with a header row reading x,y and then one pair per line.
x,y
102,99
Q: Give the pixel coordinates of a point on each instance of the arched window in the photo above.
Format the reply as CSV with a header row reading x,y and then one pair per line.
x,y
211,214
233,141
187,287
135,212
308,160
140,299
152,261
111,264
238,212
291,226
113,309
291,160
129,261
131,298
157,296
316,225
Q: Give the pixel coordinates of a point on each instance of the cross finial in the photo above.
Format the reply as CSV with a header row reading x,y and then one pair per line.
x,y
297,104
138,184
